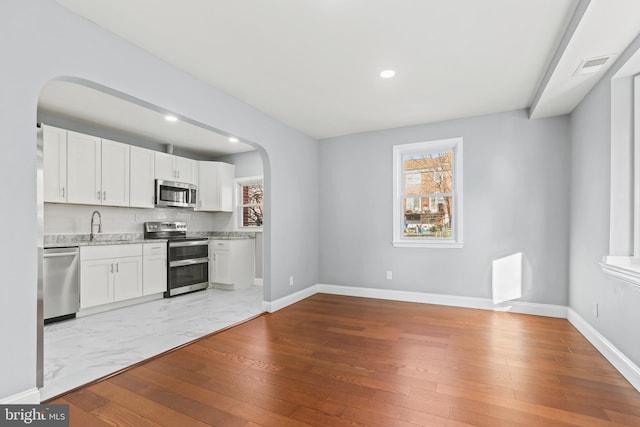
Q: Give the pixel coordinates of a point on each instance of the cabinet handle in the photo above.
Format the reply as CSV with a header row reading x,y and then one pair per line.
x,y
117,269
99,196
104,195
111,268
62,191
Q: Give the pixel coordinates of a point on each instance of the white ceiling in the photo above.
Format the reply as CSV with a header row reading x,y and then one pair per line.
x,y
99,109
314,64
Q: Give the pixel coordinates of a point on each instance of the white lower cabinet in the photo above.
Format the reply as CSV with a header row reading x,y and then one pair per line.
x,y
232,263
154,268
110,273
127,281
96,282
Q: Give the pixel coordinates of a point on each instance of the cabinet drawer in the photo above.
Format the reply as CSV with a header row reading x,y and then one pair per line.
x,y
110,251
154,249
220,244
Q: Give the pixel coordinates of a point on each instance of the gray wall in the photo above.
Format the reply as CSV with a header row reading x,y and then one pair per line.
x,y
618,317
516,199
40,40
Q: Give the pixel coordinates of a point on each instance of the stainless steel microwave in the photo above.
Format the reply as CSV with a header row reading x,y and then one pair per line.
x,y
175,194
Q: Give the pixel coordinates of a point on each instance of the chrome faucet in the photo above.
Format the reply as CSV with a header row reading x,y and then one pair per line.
x,y
92,236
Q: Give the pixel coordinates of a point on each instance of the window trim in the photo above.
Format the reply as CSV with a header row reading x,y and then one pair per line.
x,y
454,144
621,263
239,183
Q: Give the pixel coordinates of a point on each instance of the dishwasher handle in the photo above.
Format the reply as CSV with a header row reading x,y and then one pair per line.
x,y
60,254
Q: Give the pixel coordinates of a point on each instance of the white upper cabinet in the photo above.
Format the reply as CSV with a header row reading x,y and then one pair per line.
x,y
227,176
54,164
187,170
97,171
83,169
115,173
176,168
215,186
164,166
142,176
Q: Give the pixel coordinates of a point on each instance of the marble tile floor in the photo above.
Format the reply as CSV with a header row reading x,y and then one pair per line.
x,y
81,350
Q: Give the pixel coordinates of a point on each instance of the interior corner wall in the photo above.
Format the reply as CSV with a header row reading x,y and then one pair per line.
x,y
593,134
516,199
40,40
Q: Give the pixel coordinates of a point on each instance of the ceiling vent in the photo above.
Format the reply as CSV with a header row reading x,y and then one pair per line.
x,y
592,65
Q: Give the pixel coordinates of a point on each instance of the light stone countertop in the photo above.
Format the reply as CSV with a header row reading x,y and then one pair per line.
x,y
68,240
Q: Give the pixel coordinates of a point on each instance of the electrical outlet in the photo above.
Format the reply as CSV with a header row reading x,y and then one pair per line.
x,y
389,275
290,280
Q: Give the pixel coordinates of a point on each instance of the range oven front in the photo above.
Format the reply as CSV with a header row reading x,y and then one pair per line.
x,y
188,266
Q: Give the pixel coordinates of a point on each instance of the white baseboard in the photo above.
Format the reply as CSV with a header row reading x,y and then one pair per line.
x,y
622,363
288,300
547,310
28,397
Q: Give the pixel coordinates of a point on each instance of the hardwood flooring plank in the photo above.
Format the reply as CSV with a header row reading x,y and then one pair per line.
x,y
144,407
116,415
231,406
81,418
86,399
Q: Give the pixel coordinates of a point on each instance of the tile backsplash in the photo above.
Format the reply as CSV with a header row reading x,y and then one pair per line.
x,y
76,219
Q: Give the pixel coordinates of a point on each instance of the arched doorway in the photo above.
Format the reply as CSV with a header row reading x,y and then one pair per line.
x,y
87,108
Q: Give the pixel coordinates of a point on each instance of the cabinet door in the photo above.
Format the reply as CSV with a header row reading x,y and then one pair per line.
x,y
127,281
225,186
142,175
54,164
164,167
96,282
215,186
186,170
154,274
115,173
83,169
208,199
222,267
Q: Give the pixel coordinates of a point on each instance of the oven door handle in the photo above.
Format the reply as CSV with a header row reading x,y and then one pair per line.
x,y
191,243
188,262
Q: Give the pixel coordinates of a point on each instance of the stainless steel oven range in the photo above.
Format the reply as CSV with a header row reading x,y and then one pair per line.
x,y
187,257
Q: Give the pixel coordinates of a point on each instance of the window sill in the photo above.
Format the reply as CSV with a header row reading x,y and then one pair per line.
x,y
626,269
449,244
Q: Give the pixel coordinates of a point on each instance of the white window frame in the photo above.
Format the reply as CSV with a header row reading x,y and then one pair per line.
x,y
456,241
622,263
239,183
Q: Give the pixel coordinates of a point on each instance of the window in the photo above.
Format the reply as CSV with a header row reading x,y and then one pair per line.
x,y
427,194
249,197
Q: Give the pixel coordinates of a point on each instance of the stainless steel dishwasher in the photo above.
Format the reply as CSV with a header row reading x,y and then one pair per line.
x,y
61,285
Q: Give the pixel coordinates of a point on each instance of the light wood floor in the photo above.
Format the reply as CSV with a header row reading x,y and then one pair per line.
x,y
334,361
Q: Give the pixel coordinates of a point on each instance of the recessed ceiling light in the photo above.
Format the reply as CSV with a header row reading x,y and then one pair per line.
x,y
170,118
387,74
233,139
